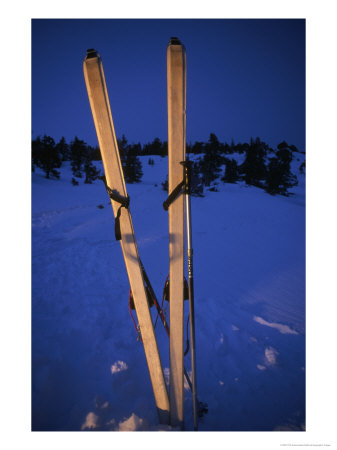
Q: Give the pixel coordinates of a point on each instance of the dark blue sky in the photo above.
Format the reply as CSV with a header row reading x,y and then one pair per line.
x,y
245,78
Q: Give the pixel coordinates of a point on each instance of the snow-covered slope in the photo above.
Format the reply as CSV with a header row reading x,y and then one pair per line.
x,y
89,370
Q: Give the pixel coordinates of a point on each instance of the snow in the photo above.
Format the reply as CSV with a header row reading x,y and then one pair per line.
x,y
118,366
284,329
89,371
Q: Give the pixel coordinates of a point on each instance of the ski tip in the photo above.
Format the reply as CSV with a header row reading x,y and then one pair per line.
x,y
92,53
175,41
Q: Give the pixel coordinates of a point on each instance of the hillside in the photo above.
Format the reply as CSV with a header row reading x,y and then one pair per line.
x,y
88,369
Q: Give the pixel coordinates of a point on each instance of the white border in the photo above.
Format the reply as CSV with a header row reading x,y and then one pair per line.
x,y
321,222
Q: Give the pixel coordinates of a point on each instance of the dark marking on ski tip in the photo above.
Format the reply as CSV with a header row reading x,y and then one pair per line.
x,y
92,53
174,41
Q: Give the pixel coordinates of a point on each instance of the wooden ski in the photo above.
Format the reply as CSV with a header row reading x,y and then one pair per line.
x,y
176,108
100,107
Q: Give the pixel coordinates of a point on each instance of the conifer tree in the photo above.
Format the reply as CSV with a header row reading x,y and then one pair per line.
x,y
91,173
197,187
198,147
123,148
63,149
231,173
279,177
156,147
78,150
49,159
254,168
36,152
210,164
132,168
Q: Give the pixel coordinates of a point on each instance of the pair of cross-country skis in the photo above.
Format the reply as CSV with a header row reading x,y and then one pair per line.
x,y
170,405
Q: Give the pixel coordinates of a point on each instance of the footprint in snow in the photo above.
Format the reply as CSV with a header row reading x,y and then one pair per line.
x,y
222,345
271,358
283,329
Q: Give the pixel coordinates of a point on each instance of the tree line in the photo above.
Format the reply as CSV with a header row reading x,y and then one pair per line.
x,y
262,166
49,156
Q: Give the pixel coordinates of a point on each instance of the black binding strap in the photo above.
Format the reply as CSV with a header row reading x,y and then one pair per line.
x,y
123,201
174,194
183,187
